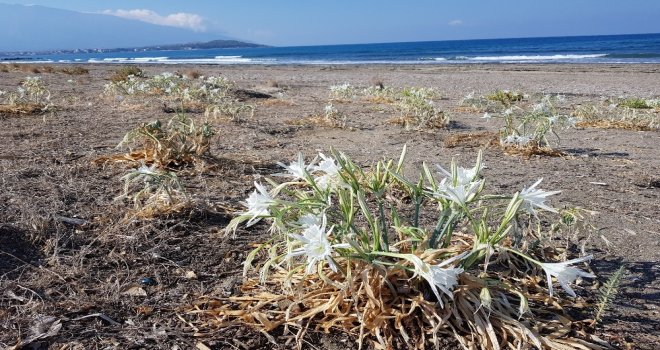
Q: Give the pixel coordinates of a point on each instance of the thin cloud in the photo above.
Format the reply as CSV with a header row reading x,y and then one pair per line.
x,y
455,22
179,19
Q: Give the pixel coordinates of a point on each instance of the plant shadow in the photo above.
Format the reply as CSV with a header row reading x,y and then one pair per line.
x,y
16,250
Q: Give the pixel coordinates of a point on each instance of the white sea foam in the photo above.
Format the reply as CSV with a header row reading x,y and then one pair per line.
x,y
532,57
149,59
170,60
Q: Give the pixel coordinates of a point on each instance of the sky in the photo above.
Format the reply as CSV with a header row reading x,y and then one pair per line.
x,y
315,22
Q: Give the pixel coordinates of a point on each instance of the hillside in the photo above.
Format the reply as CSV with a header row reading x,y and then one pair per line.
x,y
38,28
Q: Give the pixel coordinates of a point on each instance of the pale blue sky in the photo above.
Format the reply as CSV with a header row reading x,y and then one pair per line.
x,y
310,22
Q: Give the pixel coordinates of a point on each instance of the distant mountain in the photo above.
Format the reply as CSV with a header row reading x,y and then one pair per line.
x,y
214,44
38,28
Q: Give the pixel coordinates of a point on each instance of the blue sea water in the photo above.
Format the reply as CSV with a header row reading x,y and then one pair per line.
x,y
637,48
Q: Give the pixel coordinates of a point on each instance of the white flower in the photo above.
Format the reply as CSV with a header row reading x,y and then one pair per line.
x,y
316,246
297,169
438,277
565,274
523,140
533,197
330,109
571,121
541,108
509,140
487,116
327,165
516,140
258,203
309,220
464,176
460,194
508,111
330,170
147,170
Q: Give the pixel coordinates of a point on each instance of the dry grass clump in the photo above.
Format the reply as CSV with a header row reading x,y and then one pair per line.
x,y
179,143
32,97
466,109
532,149
505,97
615,117
122,74
418,111
342,92
331,117
230,109
273,84
494,102
28,68
75,70
383,310
277,102
36,69
478,139
154,187
615,124
154,192
379,93
488,139
24,109
192,74
47,69
217,97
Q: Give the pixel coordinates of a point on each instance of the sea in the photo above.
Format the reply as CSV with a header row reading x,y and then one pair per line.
x,y
602,49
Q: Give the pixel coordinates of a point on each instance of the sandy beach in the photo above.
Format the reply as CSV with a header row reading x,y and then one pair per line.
x,y
51,267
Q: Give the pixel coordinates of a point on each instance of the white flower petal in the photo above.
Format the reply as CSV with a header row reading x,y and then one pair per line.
x,y
565,274
535,198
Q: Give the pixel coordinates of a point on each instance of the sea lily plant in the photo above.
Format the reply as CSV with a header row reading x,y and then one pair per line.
x,y
531,127
401,260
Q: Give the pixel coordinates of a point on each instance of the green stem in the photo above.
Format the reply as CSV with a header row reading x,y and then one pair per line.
x,y
449,229
523,255
433,242
383,223
418,203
